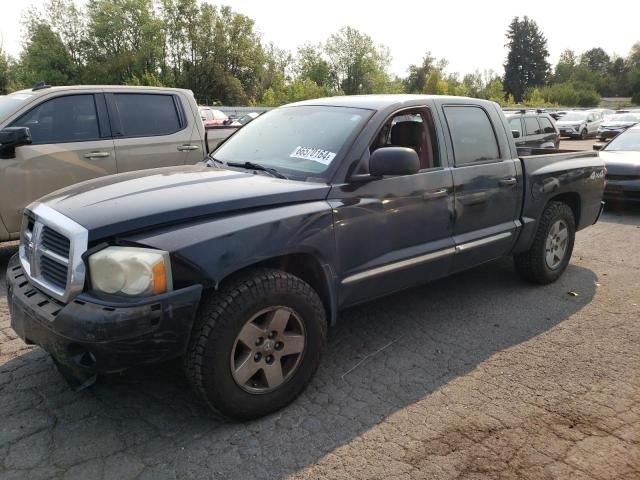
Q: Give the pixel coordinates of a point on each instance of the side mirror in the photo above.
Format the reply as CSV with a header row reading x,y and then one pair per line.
x,y
12,137
589,121
515,133
598,146
393,161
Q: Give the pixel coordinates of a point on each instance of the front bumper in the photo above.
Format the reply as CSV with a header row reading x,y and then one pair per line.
x,y
89,336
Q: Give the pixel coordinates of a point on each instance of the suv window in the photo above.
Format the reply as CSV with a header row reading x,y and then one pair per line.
x,y
67,119
147,115
547,126
516,124
532,126
472,134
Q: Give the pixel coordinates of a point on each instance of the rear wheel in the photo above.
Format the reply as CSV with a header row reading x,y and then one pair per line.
x,y
552,246
256,344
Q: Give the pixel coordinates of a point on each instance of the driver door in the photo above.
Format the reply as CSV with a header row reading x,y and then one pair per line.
x,y
69,146
395,232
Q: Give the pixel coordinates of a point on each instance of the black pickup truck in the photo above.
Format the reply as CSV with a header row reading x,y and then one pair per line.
x,y
239,265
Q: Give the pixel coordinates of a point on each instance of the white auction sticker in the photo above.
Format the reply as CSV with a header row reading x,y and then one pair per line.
x,y
314,154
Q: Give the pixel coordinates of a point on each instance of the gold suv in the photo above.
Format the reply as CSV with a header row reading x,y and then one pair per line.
x,y
53,137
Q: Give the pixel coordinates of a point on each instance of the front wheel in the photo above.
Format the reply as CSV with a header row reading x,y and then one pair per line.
x,y
550,253
583,134
256,344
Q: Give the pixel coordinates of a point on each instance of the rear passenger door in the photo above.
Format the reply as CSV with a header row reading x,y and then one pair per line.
x,y
152,130
71,143
487,190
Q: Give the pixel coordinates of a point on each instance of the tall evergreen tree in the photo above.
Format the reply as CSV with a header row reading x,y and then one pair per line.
x,y
526,64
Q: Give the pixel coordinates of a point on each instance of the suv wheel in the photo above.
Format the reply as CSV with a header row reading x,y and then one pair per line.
x,y
550,253
583,134
256,344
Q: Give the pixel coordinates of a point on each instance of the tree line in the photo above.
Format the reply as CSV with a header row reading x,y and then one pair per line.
x,y
219,55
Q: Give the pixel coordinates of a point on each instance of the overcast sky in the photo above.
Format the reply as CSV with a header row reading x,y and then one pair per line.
x,y
469,34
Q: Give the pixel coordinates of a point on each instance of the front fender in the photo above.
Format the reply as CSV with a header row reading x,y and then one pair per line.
x,y
209,250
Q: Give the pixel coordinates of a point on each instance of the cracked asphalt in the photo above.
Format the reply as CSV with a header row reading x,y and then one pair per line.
x,y
474,376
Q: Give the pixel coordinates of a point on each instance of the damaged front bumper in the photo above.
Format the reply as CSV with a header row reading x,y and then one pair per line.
x,y
90,336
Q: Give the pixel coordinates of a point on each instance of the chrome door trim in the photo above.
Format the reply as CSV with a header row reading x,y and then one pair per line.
x,y
391,267
429,257
463,247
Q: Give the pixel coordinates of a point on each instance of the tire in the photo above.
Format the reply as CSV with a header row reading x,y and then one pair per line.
x,y
583,134
535,265
218,359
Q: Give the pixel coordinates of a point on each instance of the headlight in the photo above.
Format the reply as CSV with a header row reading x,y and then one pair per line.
x,y
131,271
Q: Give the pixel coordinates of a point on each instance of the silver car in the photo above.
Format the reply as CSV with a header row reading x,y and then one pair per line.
x,y
576,124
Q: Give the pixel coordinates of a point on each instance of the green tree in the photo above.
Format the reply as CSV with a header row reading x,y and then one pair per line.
x,y
311,64
45,57
526,64
359,65
565,67
125,40
596,60
4,72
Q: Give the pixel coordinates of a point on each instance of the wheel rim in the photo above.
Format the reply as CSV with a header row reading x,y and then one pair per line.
x,y
556,244
583,135
268,350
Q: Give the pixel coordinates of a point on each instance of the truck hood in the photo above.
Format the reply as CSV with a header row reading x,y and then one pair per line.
x,y
139,200
618,124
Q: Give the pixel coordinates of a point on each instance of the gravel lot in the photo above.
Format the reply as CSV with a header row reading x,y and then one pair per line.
x,y
475,376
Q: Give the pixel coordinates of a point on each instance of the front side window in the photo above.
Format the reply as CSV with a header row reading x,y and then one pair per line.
x,y
299,141
146,115
68,119
532,126
411,129
472,134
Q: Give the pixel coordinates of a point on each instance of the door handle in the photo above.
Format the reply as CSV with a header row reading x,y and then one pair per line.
x,y
433,194
96,155
188,148
508,181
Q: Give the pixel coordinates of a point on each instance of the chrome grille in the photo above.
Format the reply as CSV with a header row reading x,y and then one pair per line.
x,y
51,249
53,272
55,242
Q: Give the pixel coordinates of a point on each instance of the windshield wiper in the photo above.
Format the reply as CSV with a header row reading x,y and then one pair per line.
x,y
255,166
212,161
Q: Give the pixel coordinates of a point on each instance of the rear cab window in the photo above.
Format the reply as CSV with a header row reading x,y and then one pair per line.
x,y
148,114
472,134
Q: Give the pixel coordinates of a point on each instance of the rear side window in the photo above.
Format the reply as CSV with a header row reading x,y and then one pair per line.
x,y
547,126
147,115
532,126
66,119
472,135
516,125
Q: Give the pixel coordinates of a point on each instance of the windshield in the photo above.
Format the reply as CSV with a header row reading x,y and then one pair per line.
x,y
628,141
11,103
573,117
297,141
624,117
